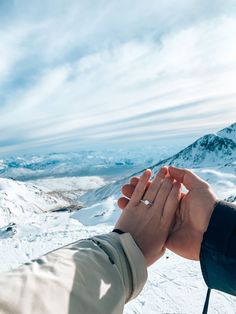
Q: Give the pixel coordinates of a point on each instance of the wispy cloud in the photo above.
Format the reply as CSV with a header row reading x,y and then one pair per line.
x,y
79,73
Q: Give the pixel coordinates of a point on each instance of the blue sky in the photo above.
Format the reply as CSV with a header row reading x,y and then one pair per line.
x,y
79,74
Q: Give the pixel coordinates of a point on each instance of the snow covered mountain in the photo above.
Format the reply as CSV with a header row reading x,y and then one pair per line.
x,y
210,151
18,198
229,132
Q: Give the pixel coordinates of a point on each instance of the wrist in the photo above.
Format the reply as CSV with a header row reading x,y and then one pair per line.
x,y
210,208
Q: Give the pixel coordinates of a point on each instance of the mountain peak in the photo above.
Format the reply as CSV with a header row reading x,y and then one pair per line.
x,y
208,150
229,132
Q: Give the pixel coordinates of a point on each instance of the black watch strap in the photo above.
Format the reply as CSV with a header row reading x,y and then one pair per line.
x,y
118,231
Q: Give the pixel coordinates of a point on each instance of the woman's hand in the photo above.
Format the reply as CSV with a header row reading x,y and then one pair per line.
x,y
150,225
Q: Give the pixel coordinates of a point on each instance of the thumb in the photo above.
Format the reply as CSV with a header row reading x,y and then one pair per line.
x,y
188,178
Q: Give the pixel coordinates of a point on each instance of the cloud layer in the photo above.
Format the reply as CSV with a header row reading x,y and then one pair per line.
x,y
75,74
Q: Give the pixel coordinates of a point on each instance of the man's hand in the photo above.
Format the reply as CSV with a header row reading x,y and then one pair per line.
x,y
193,216
150,225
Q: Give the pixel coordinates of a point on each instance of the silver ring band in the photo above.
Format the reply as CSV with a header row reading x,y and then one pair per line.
x,y
146,202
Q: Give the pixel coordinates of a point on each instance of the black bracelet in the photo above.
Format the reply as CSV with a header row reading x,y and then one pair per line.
x,y
118,231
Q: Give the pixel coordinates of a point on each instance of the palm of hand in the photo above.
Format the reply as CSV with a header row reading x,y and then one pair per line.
x,y
192,220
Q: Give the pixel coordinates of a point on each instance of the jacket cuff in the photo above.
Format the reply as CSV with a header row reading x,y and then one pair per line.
x,y
126,255
137,263
221,227
216,245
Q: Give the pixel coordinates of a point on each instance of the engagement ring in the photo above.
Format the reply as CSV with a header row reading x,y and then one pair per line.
x,y
146,202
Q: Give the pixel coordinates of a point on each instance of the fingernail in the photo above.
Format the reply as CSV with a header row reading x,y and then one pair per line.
x,y
147,172
164,169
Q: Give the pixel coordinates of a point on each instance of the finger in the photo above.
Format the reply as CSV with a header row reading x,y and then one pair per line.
x,y
154,187
140,188
188,178
128,190
122,202
172,204
162,195
134,181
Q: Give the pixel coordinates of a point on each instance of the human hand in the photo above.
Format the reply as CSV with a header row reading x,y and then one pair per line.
x,y
150,225
193,216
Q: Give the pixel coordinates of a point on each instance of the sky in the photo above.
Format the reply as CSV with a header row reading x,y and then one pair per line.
x,y
77,74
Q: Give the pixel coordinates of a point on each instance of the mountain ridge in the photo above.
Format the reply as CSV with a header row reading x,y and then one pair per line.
x,y
210,150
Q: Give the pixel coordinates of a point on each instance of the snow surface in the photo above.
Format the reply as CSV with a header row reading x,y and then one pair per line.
x,y
175,285
19,198
70,183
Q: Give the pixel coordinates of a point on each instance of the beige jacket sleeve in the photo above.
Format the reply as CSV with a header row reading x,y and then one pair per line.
x,y
97,275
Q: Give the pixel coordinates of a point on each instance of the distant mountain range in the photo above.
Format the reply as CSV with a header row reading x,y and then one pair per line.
x,y
211,151
105,162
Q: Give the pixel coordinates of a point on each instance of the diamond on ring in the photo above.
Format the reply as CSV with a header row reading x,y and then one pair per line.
x,y
146,202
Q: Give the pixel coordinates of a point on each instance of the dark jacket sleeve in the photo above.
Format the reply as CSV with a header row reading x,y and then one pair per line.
x,y
218,249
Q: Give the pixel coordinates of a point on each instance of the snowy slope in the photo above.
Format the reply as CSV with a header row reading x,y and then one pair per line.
x,y
103,212
69,188
208,151
18,198
229,132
